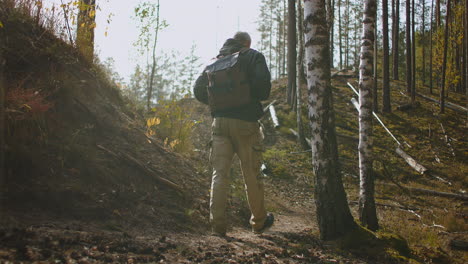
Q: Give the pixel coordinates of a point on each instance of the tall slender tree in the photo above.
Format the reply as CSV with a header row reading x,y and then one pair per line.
x,y
367,211
333,214
444,62
408,47
423,42
291,52
385,63
86,22
413,54
430,47
375,99
300,80
395,36
340,35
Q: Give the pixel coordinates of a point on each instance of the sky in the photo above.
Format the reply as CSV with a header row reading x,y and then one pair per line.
x,y
205,23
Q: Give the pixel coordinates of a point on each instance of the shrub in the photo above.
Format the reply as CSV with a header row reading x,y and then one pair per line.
x,y
171,123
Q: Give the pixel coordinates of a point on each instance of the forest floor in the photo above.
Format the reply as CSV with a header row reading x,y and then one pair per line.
x,y
84,183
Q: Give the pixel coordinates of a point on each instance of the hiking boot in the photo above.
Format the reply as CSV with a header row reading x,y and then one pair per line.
x,y
268,223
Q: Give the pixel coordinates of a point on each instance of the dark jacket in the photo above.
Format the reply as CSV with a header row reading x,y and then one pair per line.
x,y
258,75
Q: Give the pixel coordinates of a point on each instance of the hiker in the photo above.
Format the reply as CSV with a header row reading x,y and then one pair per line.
x,y
233,87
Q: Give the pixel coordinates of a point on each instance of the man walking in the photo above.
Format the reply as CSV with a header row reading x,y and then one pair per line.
x,y
233,87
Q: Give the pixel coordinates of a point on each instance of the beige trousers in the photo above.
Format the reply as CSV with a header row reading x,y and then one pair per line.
x,y
233,136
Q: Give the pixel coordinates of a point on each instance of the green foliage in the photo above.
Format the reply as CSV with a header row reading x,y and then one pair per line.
x,y
147,15
456,30
277,160
170,122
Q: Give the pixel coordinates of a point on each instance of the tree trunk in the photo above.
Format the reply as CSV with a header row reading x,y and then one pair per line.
x,y
367,211
291,51
386,72
437,11
423,42
300,66
375,101
413,56
153,66
395,36
408,47
347,35
340,34
86,22
430,47
2,122
330,22
444,63
333,214
466,56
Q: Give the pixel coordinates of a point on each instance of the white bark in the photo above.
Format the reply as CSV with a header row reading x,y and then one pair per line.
x,y
366,194
333,214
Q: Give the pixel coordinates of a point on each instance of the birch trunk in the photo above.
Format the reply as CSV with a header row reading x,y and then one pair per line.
x,y
367,211
333,214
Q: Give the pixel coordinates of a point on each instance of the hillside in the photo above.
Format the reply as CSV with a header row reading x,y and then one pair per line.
x,y
83,183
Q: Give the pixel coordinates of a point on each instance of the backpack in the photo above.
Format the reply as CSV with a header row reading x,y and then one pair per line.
x,y
228,86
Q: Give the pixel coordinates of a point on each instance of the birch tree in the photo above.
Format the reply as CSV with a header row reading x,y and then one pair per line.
x,y
333,214
367,211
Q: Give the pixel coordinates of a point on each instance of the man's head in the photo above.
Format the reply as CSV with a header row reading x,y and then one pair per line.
x,y
243,38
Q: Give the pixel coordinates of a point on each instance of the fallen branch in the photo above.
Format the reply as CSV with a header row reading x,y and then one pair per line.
x,y
412,162
432,192
274,118
406,208
449,105
356,105
149,171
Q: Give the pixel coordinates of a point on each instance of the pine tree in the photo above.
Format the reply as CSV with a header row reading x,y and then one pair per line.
x,y
291,52
386,107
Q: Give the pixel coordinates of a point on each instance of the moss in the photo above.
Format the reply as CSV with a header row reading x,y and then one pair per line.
x,y
396,242
376,246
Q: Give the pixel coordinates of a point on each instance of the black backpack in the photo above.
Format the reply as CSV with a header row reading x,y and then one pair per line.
x,y
228,86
